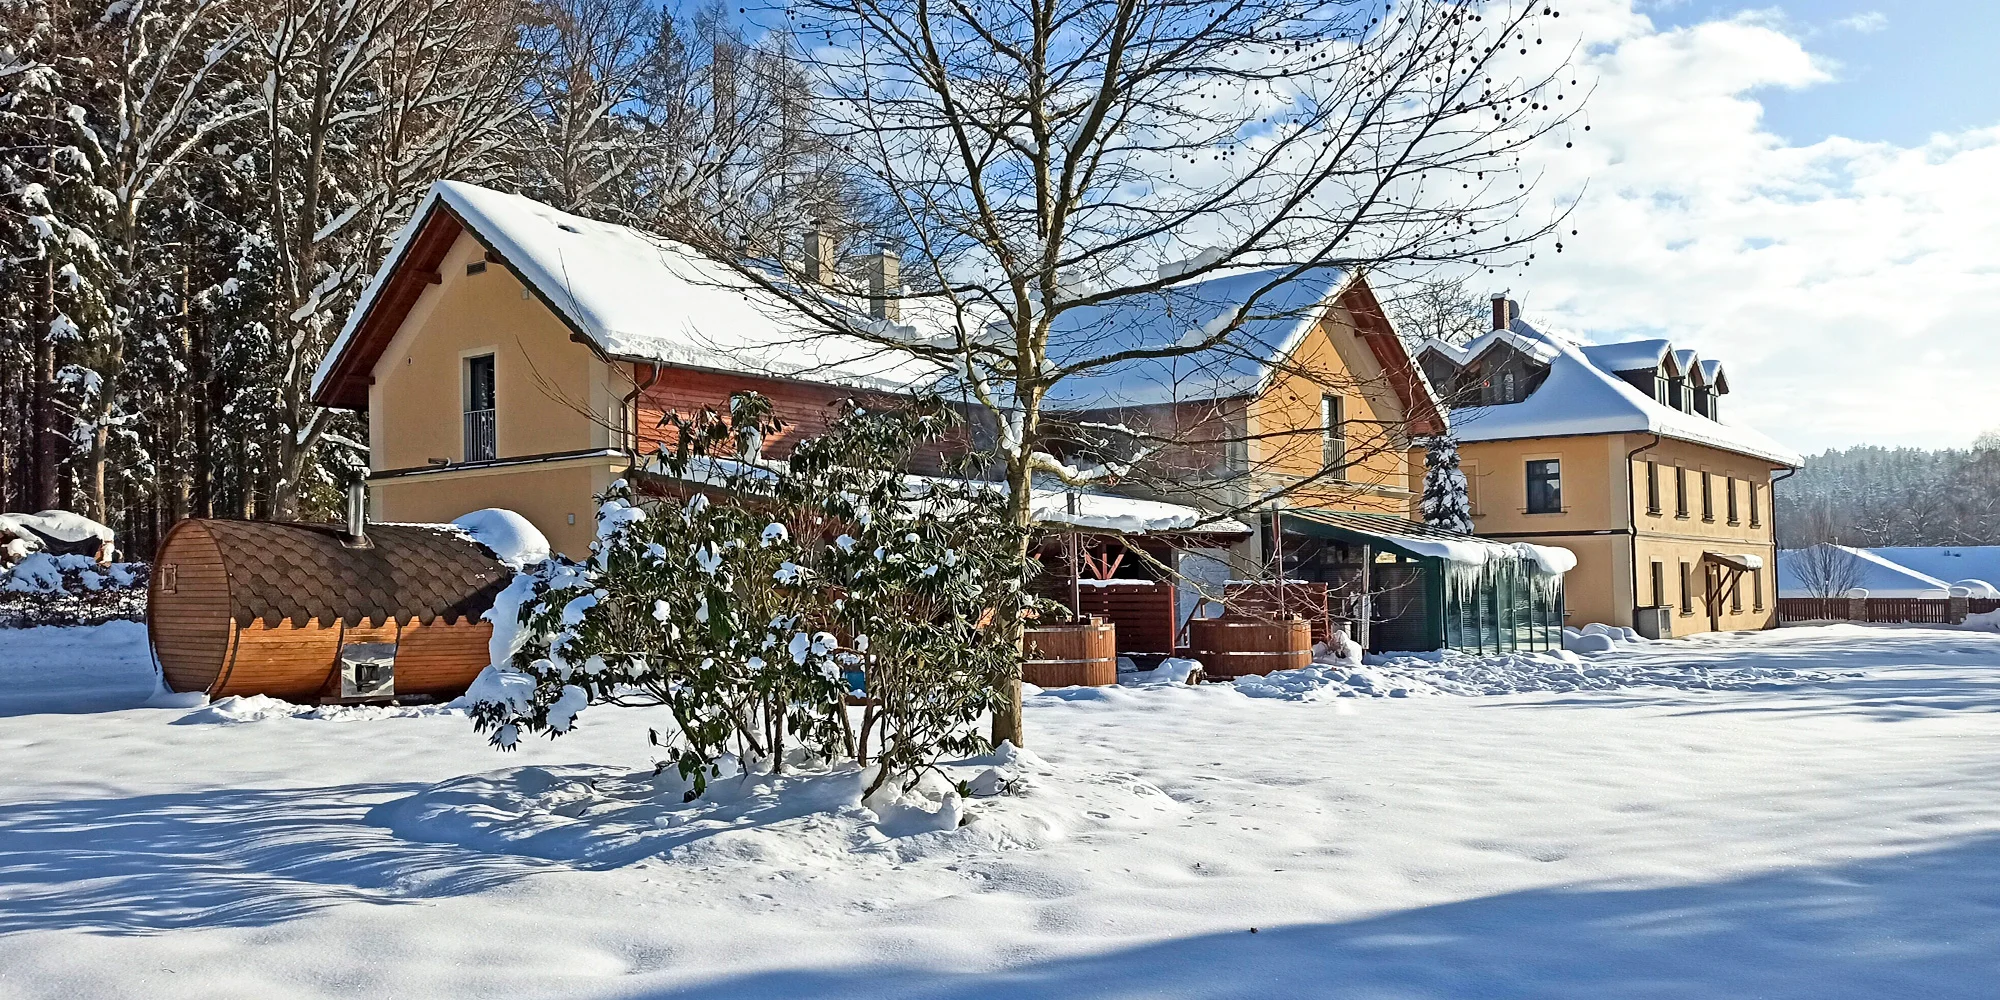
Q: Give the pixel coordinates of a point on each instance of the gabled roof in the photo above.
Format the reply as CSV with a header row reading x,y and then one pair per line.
x,y
1711,373
1583,395
636,296
1287,308
629,294
1632,355
1690,366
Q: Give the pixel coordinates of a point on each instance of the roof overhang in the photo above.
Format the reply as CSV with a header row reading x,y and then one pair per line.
x,y
1420,404
411,268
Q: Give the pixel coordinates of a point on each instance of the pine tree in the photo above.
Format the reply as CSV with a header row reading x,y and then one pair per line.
x,y
1446,503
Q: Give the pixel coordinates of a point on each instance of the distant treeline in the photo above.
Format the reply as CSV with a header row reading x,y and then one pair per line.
x,y
1869,496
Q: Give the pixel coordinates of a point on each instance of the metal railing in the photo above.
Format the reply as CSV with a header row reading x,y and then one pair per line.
x,y
479,443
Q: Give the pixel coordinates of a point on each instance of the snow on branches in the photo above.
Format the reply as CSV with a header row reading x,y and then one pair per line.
x,y
760,597
1446,502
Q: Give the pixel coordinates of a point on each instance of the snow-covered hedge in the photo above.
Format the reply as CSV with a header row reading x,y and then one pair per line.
x,y
44,589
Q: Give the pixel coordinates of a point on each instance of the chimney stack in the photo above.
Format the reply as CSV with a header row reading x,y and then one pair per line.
x,y
1503,312
885,282
357,515
818,253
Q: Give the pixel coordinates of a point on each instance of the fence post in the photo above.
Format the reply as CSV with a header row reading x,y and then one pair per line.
x,y
1857,609
1958,609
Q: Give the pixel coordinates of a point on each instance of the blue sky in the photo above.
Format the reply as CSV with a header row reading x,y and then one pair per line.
x,y
1808,192
1903,69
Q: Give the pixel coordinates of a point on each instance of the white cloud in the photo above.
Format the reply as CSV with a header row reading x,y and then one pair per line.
x,y
1851,288
1866,23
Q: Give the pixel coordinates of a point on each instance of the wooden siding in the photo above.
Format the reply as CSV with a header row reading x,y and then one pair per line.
x,y
190,628
442,658
805,409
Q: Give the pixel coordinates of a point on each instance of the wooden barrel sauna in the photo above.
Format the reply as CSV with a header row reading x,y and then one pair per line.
x,y
1233,647
1081,654
305,612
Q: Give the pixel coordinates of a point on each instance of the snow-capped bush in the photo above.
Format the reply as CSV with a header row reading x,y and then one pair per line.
x,y
750,607
46,589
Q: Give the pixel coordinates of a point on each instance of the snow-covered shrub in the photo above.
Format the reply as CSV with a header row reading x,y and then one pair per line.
x,y
46,589
745,606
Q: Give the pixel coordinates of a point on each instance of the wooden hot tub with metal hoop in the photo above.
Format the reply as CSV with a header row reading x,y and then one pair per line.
x,y
321,612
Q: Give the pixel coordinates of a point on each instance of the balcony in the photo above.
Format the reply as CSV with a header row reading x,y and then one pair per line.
x,y
479,442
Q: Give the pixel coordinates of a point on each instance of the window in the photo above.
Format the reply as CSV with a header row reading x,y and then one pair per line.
x,y
1507,388
1757,590
1687,589
1659,584
1545,486
1730,485
1707,496
1333,435
1736,596
479,400
1680,491
1652,487
1662,389
1755,519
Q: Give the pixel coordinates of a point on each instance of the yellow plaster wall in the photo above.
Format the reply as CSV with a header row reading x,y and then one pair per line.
x,y
1284,423
556,497
1605,521
552,394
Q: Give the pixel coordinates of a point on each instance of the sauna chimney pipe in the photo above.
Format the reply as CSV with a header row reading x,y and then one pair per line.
x,y
357,516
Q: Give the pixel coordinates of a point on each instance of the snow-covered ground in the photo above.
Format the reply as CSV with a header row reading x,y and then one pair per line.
x,y
1812,812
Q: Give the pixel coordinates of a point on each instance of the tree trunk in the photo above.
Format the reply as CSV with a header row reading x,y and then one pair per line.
x,y
1008,724
48,439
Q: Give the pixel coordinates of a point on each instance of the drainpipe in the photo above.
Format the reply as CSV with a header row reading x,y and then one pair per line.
x,y
632,408
1777,581
1632,516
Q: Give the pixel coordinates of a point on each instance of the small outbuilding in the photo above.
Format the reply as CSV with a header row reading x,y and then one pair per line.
x,y
322,612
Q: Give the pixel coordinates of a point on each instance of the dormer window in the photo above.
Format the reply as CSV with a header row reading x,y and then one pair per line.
x,y
1663,389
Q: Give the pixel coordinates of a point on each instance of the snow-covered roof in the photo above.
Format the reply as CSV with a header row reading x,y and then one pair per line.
x,y
1533,347
1582,395
1954,563
1631,355
1284,310
1416,538
1711,375
1125,515
643,297
1049,506
1876,575
1455,354
1689,363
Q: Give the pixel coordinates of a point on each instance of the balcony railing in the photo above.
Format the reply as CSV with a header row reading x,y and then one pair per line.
x,y
479,444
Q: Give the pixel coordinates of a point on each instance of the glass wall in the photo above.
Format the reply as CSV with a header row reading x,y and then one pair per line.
x,y
1502,606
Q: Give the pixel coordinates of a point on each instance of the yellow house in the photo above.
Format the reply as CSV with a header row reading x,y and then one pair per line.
x,y
1618,453
511,355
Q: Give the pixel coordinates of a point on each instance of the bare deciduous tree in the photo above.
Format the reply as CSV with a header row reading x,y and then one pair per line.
x,y
1053,162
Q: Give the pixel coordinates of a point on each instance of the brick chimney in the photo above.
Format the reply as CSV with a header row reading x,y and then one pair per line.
x,y
885,282
1504,312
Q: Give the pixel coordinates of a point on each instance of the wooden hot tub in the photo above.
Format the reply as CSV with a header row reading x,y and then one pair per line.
x,y
1081,654
1233,647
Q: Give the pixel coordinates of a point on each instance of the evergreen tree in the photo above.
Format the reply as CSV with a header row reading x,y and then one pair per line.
x,y
1446,502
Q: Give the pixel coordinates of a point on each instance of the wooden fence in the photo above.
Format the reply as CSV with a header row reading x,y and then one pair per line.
x,y
1918,610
